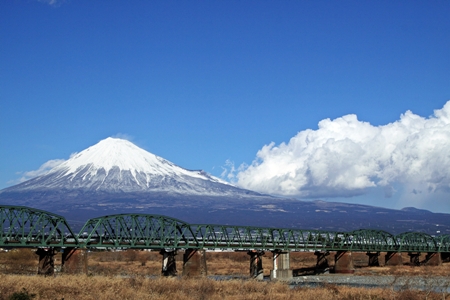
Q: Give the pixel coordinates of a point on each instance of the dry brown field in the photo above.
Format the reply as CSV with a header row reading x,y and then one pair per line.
x,y
136,275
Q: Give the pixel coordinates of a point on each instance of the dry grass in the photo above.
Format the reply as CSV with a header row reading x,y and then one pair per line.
x,y
83,287
18,261
149,263
105,281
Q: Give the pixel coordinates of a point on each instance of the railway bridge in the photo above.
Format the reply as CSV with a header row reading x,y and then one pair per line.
x,y
32,228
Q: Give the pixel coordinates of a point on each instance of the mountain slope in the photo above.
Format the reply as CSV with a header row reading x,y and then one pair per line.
x,y
117,165
115,176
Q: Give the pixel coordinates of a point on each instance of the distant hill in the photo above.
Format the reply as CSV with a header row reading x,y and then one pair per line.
x,y
115,176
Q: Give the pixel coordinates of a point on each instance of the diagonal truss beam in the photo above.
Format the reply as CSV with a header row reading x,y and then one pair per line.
x,y
137,231
27,227
22,226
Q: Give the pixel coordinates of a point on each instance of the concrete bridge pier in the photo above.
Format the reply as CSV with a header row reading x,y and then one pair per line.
x,y
46,261
281,268
74,261
373,259
169,266
194,263
322,265
433,259
256,267
343,262
393,259
414,258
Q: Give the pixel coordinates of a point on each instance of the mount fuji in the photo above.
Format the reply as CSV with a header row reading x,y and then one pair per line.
x,y
118,166
115,176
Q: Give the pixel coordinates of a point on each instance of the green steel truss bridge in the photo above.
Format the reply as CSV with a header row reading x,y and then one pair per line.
x,y
27,227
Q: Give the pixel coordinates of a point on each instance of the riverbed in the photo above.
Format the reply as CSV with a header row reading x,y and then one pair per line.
x,y
395,282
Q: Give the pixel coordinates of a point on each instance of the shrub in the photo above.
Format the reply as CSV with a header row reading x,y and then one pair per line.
x,y
23,295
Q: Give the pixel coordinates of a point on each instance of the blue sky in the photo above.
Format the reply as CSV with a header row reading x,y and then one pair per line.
x,y
201,83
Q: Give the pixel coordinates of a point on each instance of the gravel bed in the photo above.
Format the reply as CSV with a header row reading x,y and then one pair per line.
x,y
434,283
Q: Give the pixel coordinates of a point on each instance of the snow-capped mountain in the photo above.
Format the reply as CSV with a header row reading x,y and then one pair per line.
x,y
115,176
117,165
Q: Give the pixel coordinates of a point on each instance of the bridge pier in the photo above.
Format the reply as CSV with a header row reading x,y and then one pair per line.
x,y
74,261
46,261
373,259
194,263
433,259
322,265
256,268
343,262
445,256
169,266
393,259
281,267
414,258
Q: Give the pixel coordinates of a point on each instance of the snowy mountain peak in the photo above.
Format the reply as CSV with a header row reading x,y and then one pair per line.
x,y
115,164
122,154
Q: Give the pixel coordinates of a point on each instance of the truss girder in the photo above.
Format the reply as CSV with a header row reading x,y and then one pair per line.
x,y
260,238
137,231
27,227
443,242
416,242
366,240
163,232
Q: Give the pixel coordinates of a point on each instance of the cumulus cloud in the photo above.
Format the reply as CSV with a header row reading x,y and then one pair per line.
x,y
44,168
345,157
229,170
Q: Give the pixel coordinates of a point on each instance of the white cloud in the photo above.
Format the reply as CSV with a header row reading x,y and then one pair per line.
x,y
44,168
345,157
52,2
123,136
229,170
